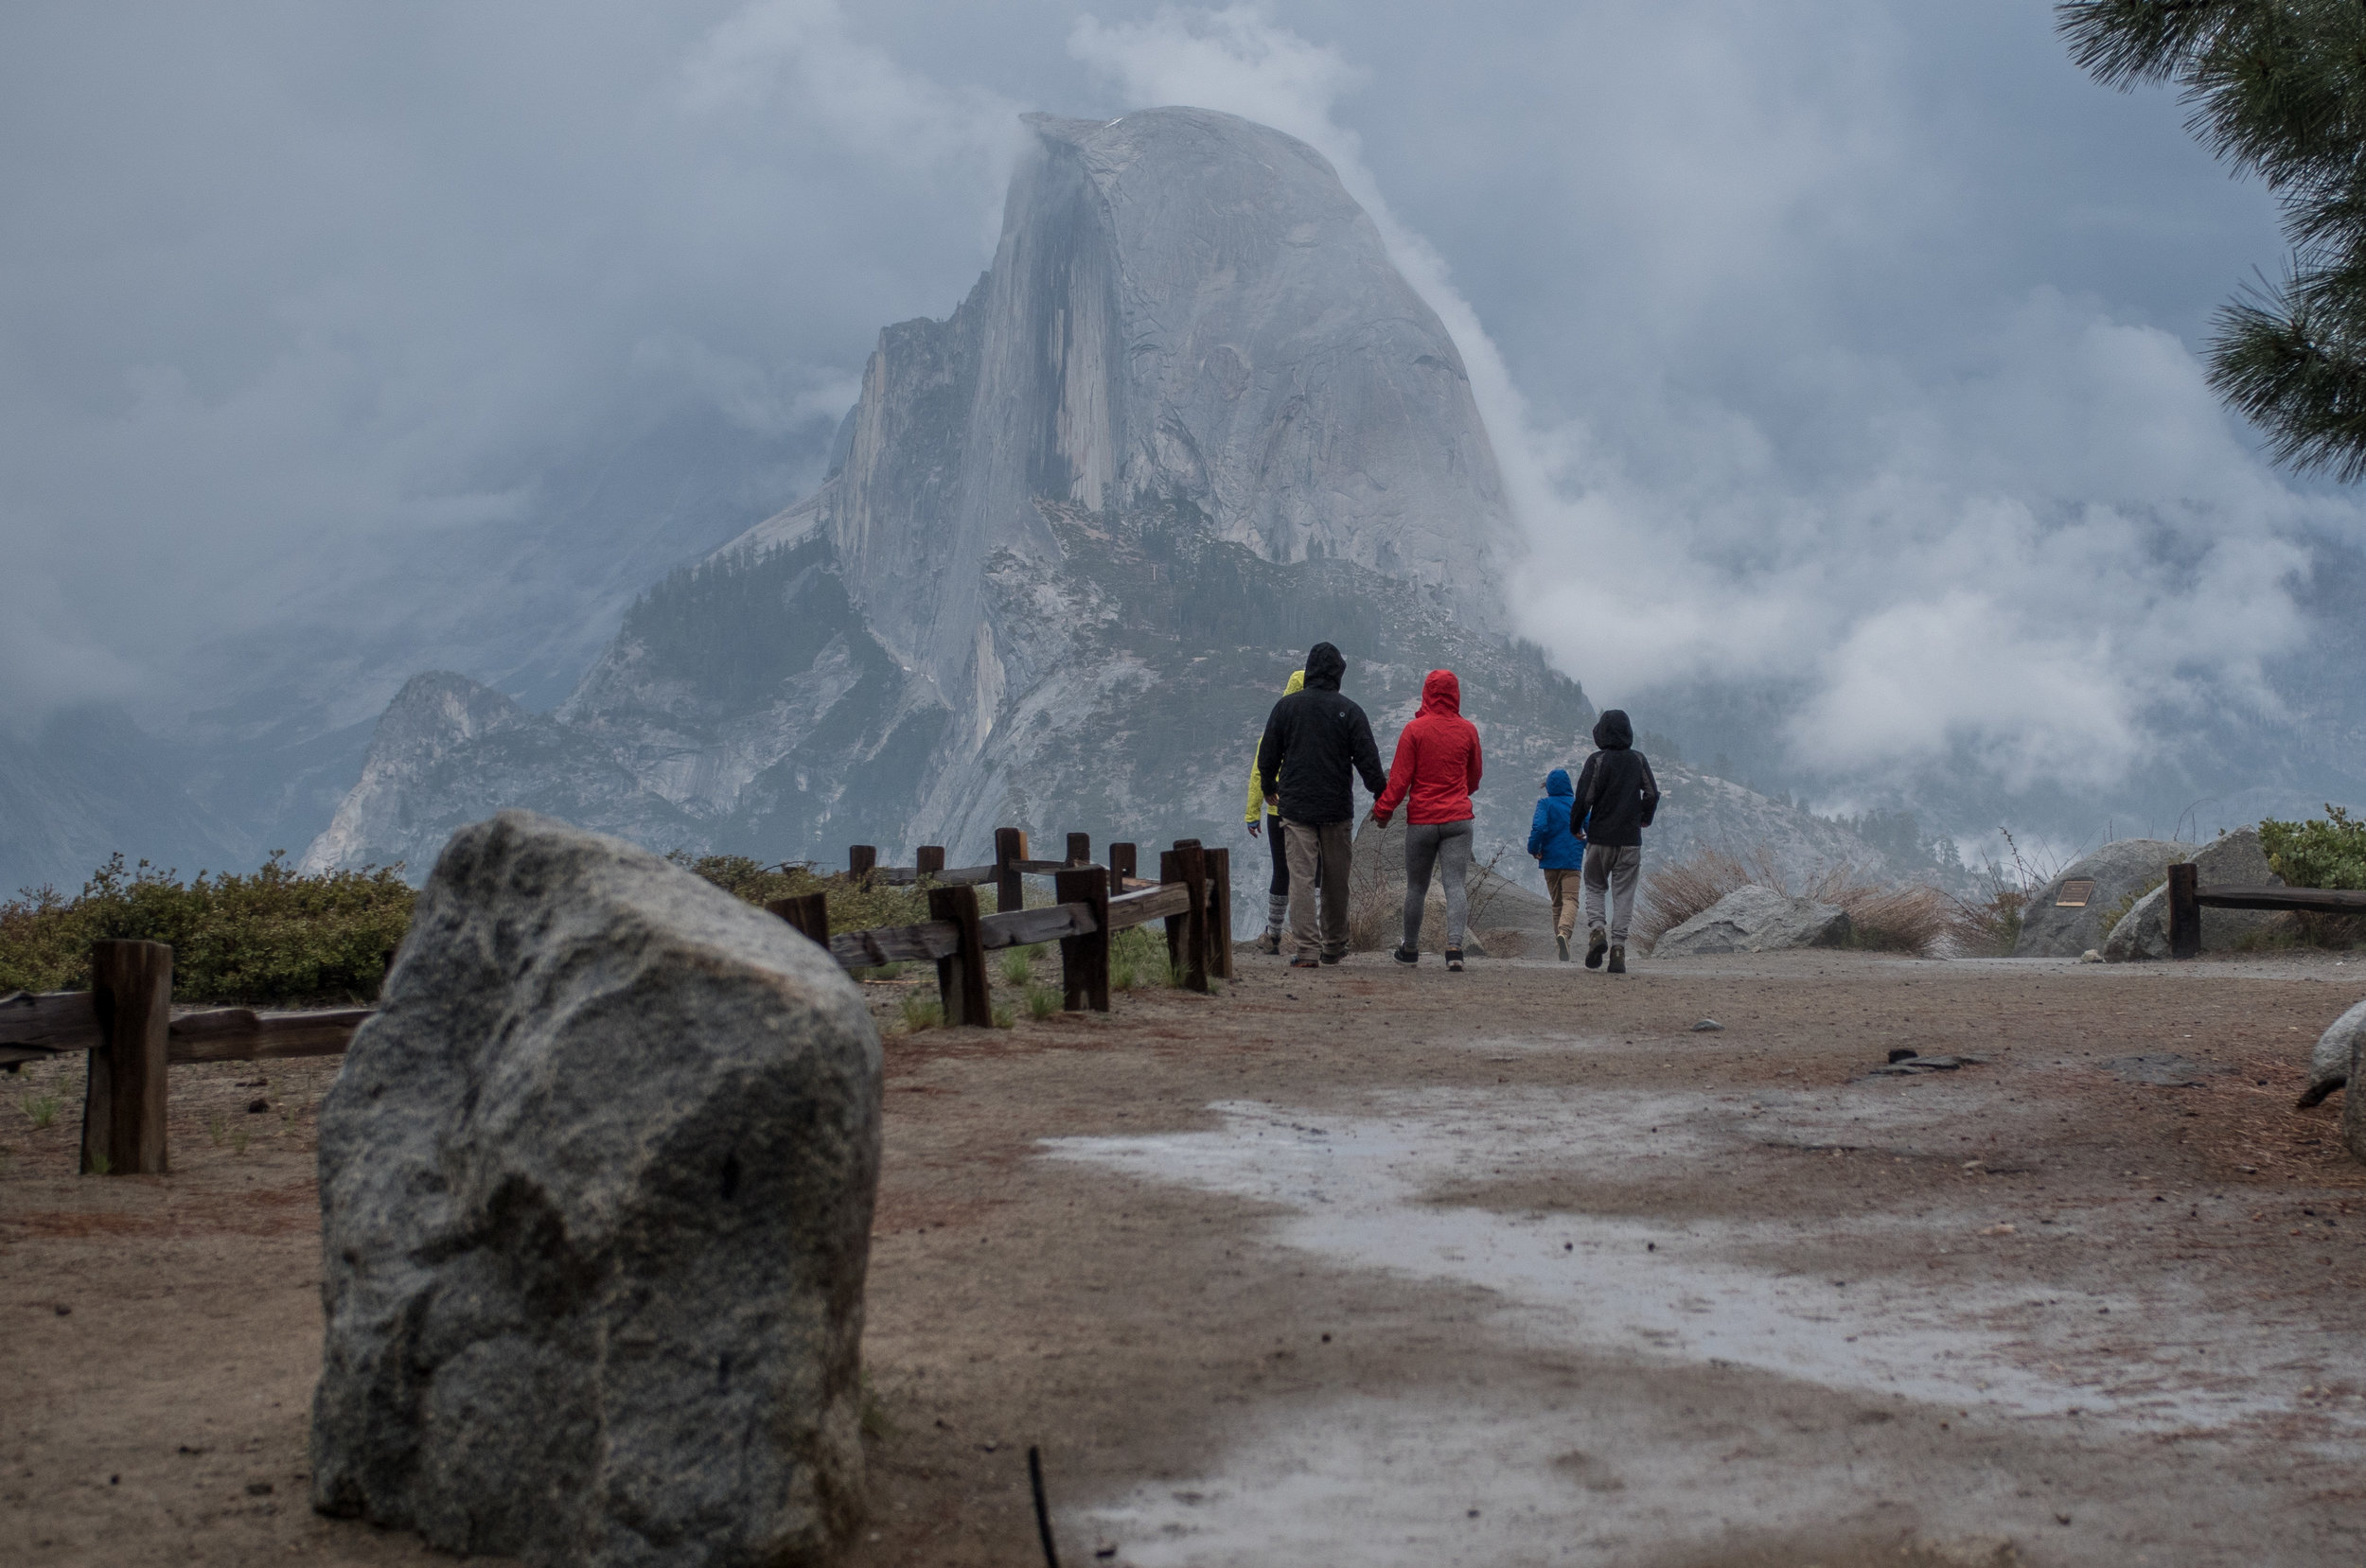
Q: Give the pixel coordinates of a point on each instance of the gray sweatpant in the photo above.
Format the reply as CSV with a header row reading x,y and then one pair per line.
x,y
1445,846
1615,870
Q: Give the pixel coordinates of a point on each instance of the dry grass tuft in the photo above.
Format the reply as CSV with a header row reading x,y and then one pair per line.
x,y
1905,917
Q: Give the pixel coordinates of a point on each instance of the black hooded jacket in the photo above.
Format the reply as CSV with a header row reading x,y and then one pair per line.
x,y
1315,742
1617,786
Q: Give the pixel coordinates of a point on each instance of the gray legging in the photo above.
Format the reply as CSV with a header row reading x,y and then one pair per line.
x,y
1447,846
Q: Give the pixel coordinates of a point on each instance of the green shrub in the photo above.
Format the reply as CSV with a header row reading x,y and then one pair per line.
x,y
1141,951
851,909
922,1013
270,937
1018,966
2317,854
1044,1000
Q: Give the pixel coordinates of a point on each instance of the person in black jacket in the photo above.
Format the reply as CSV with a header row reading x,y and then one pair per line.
x,y
1616,798
1315,742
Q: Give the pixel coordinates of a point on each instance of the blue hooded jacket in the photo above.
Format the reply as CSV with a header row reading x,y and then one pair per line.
x,y
1548,834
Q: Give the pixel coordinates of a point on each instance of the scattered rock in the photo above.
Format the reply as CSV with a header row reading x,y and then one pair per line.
x,y
257,1106
2232,857
1903,1053
2330,1064
2090,955
258,1488
595,1197
1756,920
1708,1026
1910,1064
2166,1068
2052,929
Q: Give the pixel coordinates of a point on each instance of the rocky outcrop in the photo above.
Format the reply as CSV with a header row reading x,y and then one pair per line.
x,y
2231,859
2335,1057
2117,872
1755,919
596,1203
1075,538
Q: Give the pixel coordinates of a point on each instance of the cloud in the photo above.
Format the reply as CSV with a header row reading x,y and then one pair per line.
x,y
2019,531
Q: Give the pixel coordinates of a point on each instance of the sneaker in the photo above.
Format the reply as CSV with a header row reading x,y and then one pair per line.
x,y
1618,959
1562,943
1406,955
1270,943
1305,960
1454,961
1334,957
1594,946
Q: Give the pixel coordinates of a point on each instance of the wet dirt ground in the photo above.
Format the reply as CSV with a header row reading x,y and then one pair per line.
x,y
1376,1266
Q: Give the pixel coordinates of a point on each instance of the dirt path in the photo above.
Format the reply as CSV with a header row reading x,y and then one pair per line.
x,y
1374,1267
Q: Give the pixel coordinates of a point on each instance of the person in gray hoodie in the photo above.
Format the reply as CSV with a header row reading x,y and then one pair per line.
x,y
1614,801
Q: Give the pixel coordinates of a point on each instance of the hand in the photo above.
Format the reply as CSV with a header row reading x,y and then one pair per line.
x,y
1380,817
1256,828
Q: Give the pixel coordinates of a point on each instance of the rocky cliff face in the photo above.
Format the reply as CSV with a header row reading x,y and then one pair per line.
x,y
1074,540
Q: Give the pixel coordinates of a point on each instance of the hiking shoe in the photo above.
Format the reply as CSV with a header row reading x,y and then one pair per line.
x,y
1454,961
1618,959
1305,960
1594,946
1270,943
1562,943
1406,955
1332,957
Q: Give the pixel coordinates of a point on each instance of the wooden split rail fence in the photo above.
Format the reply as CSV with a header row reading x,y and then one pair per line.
x,y
126,1025
2188,898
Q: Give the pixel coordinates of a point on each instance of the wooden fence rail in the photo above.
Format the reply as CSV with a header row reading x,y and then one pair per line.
x,y
125,1025
2188,898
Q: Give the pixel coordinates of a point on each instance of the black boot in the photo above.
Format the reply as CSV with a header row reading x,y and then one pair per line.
x,y
1618,959
1595,945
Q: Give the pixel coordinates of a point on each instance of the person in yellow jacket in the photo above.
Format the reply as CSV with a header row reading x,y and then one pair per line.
x,y
1278,895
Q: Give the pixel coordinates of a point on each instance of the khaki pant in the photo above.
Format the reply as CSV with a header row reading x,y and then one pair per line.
x,y
1561,888
1324,847
1615,870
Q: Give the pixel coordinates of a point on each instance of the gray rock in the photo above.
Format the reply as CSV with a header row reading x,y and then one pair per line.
x,y
1756,920
2052,930
2336,1056
596,1203
2231,859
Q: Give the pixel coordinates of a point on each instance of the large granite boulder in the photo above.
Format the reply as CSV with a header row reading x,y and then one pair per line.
x,y
2331,1064
596,1206
1755,919
2053,928
2231,859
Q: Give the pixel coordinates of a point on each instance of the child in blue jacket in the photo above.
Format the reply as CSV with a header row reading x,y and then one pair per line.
x,y
1562,853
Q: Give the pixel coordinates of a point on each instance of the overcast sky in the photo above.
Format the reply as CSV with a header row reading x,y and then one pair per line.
x,y
1849,341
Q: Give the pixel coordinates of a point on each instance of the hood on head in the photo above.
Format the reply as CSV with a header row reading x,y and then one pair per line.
x,y
1325,664
1441,693
1557,782
1297,681
1612,731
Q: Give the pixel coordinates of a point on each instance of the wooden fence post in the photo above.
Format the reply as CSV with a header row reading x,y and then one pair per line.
x,y
930,859
123,1105
961,975
861,860
1190,861
1170,869
1080,849
808,912
2184,912
1220,910
1085,961
1120,868
1010,848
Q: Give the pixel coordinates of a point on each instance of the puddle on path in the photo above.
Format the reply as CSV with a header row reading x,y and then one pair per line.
x,y
1354,1189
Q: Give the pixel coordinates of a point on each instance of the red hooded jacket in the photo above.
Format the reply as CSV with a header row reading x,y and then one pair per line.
x,y
1438,758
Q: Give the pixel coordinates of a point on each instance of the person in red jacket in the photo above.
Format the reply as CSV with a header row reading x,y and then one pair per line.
x,y
1436,767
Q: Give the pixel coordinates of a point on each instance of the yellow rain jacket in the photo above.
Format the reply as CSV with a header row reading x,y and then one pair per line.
x,y
1255,785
